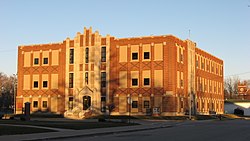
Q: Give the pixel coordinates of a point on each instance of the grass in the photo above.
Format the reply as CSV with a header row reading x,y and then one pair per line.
x,y
76,125
13,130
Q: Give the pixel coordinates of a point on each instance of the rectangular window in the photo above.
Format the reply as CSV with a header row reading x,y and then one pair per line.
x,y
45,84
86,77
182,103
87,55
202,65
35,104
45,60
103,104
146,55
134,81
70,103
146,82
45,104
71,80
35,84
181,57
197,63
103,79
71,56
181,83
146,104
135,56
134,104
103,54
103,98
36,61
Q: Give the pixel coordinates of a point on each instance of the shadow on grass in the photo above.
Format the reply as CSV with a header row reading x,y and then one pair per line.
x,y
13,130
76,125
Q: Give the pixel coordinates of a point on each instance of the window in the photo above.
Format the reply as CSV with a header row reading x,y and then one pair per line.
x,y
181,57
45,60
134,81
87,55
182,103
103,104
71,80
70,106
36,61
146,81
181,83
71,56
146,104
197,63
35,104
146,55
45,84
103,79
103,98
135,56
202,65
86,77
103,54
35,84
45,104
134,104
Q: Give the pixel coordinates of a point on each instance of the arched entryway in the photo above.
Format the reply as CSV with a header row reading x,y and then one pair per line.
x,y
86,102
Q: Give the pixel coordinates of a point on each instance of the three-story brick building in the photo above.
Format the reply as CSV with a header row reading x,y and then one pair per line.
x,y
81,76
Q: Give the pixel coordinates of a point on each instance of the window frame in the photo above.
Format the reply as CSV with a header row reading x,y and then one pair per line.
x,y
71,56
35,84
71,80
147,79
70,103
86,55
36,61
35,104
45,105
103,54
45,82
103,79
146,105
137,56
132,82
144,56
86,78
134,104
46,61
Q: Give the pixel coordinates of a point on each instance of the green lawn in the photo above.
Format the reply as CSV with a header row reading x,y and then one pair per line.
x,y
13,130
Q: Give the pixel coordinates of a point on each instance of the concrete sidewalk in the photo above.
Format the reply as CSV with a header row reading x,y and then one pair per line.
x,y
64,133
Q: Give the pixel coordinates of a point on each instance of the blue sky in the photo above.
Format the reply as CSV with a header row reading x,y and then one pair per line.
x,y
220,27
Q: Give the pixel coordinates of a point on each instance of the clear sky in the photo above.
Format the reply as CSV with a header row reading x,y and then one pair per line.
x,y
220,27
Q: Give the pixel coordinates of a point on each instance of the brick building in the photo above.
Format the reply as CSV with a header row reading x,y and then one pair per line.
x,y
243,91
81,76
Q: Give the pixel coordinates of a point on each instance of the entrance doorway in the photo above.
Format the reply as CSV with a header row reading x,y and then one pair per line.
x,y
86,102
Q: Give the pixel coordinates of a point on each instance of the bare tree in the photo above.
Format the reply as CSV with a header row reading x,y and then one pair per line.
x,y
231,87
6,92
